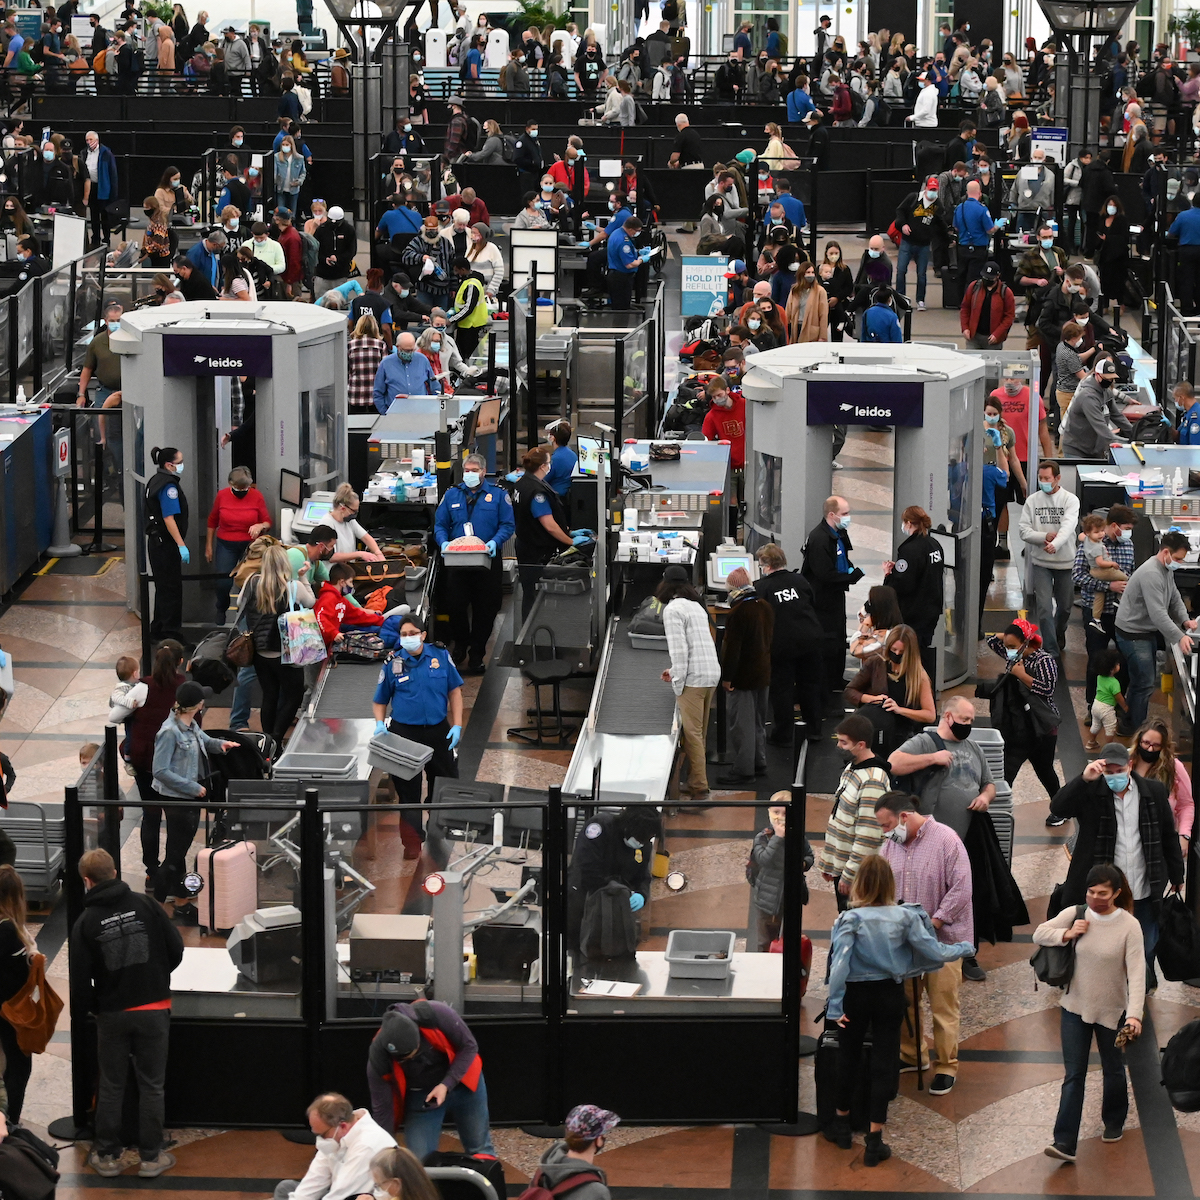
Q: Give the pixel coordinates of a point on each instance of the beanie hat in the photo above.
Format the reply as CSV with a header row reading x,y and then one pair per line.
x,y
398,1034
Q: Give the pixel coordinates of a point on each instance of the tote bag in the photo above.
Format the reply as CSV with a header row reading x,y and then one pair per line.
x,y
300,634
33,1012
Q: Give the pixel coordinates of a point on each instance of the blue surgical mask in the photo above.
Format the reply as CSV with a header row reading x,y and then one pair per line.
x,y
533,133
1046,487
633,843
411,643
113,326
408,129
1118,782
237,141
179,468
471,479
992,418
1012,654
1047,243
406,356
48,155
435,347
1126,535
844,522
874,253
404,292
253,172
1172,565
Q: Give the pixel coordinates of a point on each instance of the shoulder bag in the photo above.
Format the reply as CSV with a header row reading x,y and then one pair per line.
x,y
33,1012
1055,965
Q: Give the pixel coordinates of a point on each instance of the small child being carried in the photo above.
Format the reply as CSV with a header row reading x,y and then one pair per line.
x,y
1099,565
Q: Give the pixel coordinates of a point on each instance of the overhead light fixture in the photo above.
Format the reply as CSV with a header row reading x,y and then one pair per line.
x,y
1093,17
435,885
676,881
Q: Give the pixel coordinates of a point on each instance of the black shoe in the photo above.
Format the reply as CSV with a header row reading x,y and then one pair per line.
x,y
1112,1135
760,771
941,1085
730,780
838,1132
876,1151
1054,822
187,915
972,970
1060,1152
473,668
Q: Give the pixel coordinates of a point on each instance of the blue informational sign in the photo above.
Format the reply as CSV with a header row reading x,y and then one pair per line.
x,y
865,403
208,354
704,287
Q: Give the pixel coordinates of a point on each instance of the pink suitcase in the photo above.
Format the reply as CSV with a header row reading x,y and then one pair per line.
x,y
230,874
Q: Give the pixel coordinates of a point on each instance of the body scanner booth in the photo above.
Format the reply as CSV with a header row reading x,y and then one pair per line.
x,y
932,396
177,369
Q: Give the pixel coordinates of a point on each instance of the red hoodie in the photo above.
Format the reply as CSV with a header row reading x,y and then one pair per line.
x,y
332,610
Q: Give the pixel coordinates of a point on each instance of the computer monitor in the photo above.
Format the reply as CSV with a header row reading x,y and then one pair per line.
x,y
723,563
589,455
290,488
610,168
315,512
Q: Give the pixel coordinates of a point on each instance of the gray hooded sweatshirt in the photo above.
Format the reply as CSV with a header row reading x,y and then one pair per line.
x,y
556,1166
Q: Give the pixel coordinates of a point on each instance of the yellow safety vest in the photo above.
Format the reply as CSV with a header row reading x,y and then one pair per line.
x,y
479,314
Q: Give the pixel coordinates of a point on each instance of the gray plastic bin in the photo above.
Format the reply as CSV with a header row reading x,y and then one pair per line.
x,y
690,953
467,558
648,641
317,766
398,756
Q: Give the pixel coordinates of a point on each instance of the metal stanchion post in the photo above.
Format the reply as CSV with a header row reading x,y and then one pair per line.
x,y
97,545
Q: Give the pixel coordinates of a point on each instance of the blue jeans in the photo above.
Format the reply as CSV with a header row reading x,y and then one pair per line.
x,y
1054,592
239,714
1147,912
226,556
1139,659
1076,1045
288,201
467,1109
911,252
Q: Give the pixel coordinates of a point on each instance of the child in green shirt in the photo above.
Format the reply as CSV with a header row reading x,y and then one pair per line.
x,y
1106,664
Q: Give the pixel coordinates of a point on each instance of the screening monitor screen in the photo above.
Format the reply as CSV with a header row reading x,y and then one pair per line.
x,y
289,488
610,168
725,564
589,455
315,511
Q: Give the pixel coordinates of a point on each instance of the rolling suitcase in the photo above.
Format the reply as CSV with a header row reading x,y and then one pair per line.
x,y
458,1189
951,292
825,1072
229,872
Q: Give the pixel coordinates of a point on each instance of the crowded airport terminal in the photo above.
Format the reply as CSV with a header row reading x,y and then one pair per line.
x,y
599,599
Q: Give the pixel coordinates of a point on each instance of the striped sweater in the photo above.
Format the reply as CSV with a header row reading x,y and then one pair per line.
x,y
853,832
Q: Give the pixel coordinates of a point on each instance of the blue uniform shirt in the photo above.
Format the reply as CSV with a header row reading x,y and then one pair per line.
x,y
168,501
880,324
418,686
799,105
209,265
843,559
994,482
792,209
1186,227
400,220
973,222
1189,427
562,466
617,220
622,253
488,509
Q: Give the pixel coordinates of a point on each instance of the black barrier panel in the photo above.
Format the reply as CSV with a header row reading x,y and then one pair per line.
x,y
497,184
59,110
680,193
841,198
883,198
852,156
1129,190
944,133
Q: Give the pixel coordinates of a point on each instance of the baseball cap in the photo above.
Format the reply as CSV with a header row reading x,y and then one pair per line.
x,y
735,268
456,100
1105,366
588,1121
190,694
990,272
931,184
1116,754
675,574
336,213
398,1034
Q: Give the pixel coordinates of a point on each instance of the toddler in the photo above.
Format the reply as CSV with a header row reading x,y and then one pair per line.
x,y
127,673
1106,664
1099,566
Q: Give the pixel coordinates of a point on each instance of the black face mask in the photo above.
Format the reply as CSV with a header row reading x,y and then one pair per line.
x,y
960,731
894,656
847,756
1105,383
240,493
1149,756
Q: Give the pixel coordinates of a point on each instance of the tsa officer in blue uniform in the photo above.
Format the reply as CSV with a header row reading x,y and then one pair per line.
x,y
474,594
166,529
424,689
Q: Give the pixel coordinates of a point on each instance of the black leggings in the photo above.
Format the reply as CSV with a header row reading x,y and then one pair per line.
x,y
876,1007
151,820
282,689
1037,750
17,1068
182,824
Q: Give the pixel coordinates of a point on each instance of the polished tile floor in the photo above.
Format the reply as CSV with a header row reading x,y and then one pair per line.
x,y
986,1136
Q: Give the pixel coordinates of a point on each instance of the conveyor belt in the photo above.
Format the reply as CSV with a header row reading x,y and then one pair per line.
x,y
635,701
347,691
569,618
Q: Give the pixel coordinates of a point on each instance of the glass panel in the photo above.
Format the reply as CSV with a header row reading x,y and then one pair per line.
x,y
460,907
636,384
768,499
87,303
962,421
704,935
318,440
56,319
24,332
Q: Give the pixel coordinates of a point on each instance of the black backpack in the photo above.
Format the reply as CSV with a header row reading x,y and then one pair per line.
x,y
1151,429
1178,950
474,135
858,104
28,1167
882,113
209,667
1181,1068
608,929
914,784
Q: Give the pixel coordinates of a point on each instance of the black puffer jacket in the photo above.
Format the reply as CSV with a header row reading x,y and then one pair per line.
x,y
767,855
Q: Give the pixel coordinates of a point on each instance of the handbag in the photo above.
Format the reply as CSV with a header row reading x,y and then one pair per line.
x,y
1178,950
1055,965
33,1012
300,634
240,648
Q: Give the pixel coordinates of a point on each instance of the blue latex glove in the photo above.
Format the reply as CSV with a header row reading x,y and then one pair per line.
x,y
581,245
588,532
644,254
580,538
637,901
453,736
3,659
1001,222
380,727
185,554
513,476
490,547
445,547
993,436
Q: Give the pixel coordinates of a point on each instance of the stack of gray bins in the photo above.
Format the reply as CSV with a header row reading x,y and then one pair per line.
x,y
39,831
991,743
297,765
397,755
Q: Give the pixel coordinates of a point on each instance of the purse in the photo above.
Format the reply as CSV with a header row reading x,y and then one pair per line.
x,y
1055,965
33,1012
239,650
300,634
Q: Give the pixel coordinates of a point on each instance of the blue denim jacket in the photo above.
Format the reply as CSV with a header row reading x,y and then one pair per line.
x,y
180,765
895,942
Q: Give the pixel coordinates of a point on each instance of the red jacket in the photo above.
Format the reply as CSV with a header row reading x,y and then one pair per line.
x,y
842,108
477,209
333,609
293,255
728,424
1004,308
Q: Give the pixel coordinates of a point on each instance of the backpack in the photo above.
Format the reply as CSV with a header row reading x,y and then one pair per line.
x,y
882,114
510,146
537,1190
1055,965
208,666
473,138
36,50
1178,950
28,1167
137,64
915,783
647,618
310,252
858,104
1152,429
1181,1068
608,929
678,84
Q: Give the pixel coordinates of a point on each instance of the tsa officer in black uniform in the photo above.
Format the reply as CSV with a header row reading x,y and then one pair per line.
x,y
611,846
828,568
474,596
166,529
424,689
541,524
916,575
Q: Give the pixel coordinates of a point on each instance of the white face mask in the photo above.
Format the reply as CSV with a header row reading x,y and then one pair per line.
x,y
899,835
328,1145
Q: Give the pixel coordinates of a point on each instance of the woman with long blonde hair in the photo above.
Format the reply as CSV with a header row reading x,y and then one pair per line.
x,y
16,945
365,350
807,308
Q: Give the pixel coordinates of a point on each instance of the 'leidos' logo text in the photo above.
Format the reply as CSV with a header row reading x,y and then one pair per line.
x,y
864,410
217,362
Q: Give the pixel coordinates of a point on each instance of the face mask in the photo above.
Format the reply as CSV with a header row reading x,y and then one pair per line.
x,y
793,266
327,1145
471,479
237,141
1046,487
992,418
1047,243
1126,535
960,731
435,346
1172,565
1082,320
253,172
722,401
285,151
411,643
899,835
1012,387
174,183
874,253
114,326
48,155
179,468
406,356
1118,782
240,493
896,655
1012,654
833,256
1150,756
233,224
931,197
1112,211
1104,383
844,522
810,279
633,843
533,134
754,324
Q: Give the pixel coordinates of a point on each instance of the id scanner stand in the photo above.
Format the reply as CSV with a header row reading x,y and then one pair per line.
x,y
725,560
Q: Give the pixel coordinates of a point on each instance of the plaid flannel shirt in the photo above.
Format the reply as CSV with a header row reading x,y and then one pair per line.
x,y
1120,552
690,644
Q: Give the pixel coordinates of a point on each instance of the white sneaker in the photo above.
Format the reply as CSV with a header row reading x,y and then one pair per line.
x,y
920,306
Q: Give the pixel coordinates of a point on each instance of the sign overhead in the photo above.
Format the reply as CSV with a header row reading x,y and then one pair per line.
x,y
704,287
863,403
213,354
